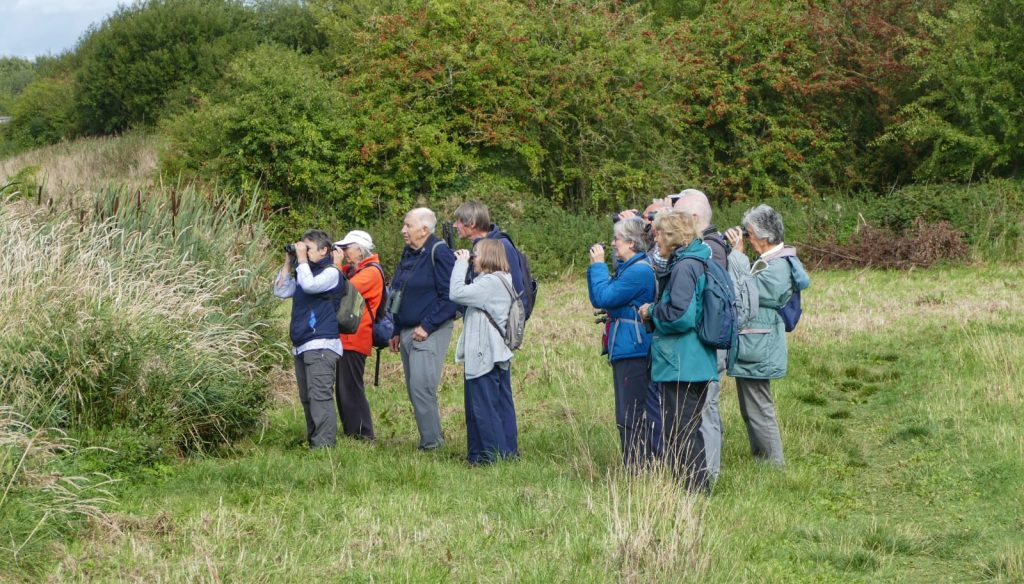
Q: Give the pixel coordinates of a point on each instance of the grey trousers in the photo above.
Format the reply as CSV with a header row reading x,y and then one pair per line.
x,y
314,373
422,362
712,430
758,411
711,423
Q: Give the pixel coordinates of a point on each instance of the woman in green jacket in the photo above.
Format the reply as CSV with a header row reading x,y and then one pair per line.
x,y
680,363
761,353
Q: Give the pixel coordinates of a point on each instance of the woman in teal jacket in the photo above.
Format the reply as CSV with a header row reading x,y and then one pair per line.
x,y
761,353
680,362
629,343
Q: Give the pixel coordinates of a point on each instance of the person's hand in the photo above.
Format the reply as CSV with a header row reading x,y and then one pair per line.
x,y
394,343
300,251
420,334
628,214
462,255
735,237
338,256
597,254
645,311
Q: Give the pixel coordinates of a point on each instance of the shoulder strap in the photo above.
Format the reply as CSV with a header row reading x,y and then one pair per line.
x,y
432,249
383,282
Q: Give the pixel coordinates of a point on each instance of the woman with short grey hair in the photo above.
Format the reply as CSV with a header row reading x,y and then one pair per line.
x,y
626,340
761,353
633,232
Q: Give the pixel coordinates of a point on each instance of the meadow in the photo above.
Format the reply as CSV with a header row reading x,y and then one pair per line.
x,y
900,418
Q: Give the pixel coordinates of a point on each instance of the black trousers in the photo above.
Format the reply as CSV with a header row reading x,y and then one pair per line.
x,y
636,430
350,390
684,444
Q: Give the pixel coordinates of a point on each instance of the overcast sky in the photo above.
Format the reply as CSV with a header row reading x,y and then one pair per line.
x,y
29,28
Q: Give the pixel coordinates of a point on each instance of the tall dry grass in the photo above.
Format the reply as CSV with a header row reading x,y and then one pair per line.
x,y
124,317
87,165
37,498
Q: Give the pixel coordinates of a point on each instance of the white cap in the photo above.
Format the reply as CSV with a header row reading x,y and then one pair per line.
x,y
359,237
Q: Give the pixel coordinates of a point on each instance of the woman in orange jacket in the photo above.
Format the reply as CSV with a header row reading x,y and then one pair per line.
x,y
354,256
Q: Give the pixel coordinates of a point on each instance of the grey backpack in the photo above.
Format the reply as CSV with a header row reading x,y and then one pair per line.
x,y
515,325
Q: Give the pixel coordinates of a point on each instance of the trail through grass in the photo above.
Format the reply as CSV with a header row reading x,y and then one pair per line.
x,y
901,422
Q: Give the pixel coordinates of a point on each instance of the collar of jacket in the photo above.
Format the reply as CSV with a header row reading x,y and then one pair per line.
x,y
696,249
779,251
621,265
427,246
370,259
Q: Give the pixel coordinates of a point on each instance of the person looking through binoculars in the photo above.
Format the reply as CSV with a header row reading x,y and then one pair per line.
x,y
313,330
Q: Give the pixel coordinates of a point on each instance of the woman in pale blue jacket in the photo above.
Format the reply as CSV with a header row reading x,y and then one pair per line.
x,y
491,429
761,353
628,342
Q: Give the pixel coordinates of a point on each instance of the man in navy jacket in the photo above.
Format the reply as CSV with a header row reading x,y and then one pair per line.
x,y
423,318
473,222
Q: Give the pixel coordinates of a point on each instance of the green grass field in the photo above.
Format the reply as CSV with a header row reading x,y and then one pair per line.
x,y
901,420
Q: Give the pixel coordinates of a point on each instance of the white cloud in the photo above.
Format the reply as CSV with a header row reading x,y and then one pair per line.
x,y
29,28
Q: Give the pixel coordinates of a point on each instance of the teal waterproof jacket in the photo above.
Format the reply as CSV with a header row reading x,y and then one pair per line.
x,y
761,352
677,353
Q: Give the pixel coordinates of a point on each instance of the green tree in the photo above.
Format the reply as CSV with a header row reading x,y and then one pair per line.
x,y
274,121
43,113
154,57
15,74
966,121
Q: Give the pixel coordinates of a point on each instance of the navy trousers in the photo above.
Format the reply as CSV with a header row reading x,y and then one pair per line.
x,y
684,443
491,429
636,428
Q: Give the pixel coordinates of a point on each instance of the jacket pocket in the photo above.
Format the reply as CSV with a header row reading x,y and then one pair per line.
x,y
753,345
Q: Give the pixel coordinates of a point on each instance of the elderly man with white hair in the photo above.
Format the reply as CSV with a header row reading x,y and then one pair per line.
x,y
423,316
695,203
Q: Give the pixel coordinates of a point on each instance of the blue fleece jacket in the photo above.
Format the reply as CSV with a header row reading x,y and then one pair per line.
x,y
423,282
621,294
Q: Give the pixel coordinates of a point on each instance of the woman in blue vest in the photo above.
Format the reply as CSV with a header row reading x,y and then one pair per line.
x,y
314,331
680,362
628,342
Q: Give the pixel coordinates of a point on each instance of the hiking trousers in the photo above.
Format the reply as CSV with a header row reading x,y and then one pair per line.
x,y
423,362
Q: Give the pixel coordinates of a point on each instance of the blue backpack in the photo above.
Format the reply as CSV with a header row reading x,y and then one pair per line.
x,y
718,327
791,310
383,322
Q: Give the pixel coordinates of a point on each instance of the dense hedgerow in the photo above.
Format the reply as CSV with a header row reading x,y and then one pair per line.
x,y
140,311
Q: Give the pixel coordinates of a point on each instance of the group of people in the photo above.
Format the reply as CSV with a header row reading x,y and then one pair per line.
x,y
666,379
431,287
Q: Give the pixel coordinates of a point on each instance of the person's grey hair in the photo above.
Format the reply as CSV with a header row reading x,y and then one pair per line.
x,y
634,230
363,252
766,223
696,202
426,217
474,214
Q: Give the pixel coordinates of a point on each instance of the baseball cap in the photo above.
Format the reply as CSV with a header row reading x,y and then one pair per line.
x,y
359,237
